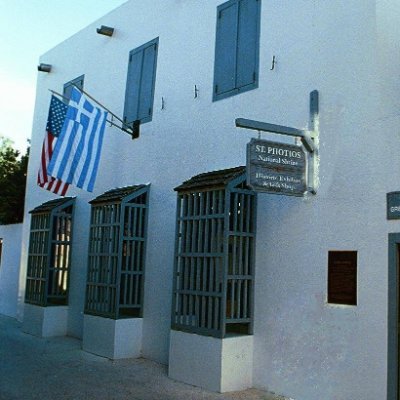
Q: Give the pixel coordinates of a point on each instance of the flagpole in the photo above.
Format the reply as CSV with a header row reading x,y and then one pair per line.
x,y
112,114
102,106
58,94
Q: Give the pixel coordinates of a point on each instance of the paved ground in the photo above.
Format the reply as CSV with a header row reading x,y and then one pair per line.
x,y
57,369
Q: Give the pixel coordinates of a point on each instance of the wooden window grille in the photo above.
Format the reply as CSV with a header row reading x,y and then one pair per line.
x,y
214,254
117,248
49,254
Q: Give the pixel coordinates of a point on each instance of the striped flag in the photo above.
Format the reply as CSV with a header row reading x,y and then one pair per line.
x,y
55,121
77,152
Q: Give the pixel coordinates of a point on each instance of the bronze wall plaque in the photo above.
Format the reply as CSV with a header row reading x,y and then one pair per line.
x,y
342,277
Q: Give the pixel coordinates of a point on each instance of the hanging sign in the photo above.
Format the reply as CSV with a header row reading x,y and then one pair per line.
x,y
277,168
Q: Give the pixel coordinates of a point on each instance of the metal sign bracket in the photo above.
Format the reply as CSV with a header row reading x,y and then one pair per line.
x,y
309,138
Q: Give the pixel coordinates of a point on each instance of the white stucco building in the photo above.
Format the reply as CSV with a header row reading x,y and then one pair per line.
x,y
10,259
187,70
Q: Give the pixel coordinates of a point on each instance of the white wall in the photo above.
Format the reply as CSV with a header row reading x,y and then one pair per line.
x,y
303,347
9,268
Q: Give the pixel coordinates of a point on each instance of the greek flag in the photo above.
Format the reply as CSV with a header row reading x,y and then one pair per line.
x,y
77,152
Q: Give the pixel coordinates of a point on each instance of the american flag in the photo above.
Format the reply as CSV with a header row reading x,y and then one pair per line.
x,y
55,121
77,152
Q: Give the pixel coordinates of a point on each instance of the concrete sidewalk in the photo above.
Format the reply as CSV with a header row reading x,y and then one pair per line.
x,y
47,369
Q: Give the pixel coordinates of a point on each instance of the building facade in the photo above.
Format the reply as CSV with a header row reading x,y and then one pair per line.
x,y
300,302
10,242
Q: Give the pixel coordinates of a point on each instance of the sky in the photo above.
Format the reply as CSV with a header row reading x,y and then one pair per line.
x,y
31,28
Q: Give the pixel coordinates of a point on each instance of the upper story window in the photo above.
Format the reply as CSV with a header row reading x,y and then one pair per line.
x,y
49,253
78,82
140,83
237,47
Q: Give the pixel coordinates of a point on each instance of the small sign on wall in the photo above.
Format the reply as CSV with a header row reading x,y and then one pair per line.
x,y
342,277
393,205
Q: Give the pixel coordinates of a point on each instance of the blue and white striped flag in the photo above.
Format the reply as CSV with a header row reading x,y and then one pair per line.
x,y
77,152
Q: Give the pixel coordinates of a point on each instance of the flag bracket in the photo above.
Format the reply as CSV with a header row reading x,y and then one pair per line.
x,y
133,130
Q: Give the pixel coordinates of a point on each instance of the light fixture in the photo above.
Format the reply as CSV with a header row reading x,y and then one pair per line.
x,y
105,30
44,67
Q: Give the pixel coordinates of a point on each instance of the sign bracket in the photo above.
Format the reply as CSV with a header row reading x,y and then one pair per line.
x,y
282,130
308,137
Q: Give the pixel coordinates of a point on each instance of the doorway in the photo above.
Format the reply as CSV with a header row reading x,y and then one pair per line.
x,y
393,318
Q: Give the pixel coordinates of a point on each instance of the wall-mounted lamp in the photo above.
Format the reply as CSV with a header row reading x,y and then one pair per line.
x,y
105,30
44,67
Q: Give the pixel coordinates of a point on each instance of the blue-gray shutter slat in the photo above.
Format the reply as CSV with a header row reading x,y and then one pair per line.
x,y
248,42
67,92
147,82
225,48
133,83
78,82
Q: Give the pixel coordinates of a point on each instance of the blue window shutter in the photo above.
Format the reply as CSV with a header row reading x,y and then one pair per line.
x,y
248,42
67,92
225,48
133,86
69,85
140,83
79,82
147,82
